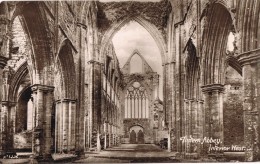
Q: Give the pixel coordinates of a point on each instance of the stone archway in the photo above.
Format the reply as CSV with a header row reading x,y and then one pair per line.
x,y
65,103
40,60
37,30
152,29
218,22
137,134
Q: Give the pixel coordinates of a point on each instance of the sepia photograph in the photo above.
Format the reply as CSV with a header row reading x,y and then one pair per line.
x,y
129,81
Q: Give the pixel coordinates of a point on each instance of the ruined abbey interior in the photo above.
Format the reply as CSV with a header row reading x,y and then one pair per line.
x,y
65,90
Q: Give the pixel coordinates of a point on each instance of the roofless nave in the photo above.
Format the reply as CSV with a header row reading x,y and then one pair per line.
x,y
63,90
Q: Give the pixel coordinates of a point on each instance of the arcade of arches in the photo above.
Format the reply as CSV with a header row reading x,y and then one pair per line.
x,y
63,91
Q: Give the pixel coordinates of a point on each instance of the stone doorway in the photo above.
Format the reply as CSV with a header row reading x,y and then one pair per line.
x,y
136,135
140,137
132,137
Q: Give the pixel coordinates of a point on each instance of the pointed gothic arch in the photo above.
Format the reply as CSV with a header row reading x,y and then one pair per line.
x,y
35,25
152,29
146,68
218,24
65,63
192,72
21,72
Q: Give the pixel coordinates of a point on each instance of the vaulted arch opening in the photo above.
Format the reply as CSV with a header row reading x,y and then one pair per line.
x,y
216,34
193,104
233,108
218,25
19,102
36,28
64,114
30,70
65,71
133,51
136,64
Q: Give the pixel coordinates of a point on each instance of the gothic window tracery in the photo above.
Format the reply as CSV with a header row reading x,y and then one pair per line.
x,y
136,101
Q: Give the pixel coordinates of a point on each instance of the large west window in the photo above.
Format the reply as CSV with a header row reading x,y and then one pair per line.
x,y
136,101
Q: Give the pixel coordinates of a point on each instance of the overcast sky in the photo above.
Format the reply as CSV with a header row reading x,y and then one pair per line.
x,y
134,36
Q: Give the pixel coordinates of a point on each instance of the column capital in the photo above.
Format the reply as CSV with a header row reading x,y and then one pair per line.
x,y
188,100
249,57
58,101
167,63
191,99
44,88
3,61
95,62
8,103
200,101
68,100
4,20
253,113
213,87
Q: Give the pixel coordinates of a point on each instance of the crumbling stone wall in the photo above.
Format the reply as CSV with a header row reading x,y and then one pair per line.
x,y
23,141
233,109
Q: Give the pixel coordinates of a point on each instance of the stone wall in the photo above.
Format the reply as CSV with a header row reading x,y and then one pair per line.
x,y
23,141
233,109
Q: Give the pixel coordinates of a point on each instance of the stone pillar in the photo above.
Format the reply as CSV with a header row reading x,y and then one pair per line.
x,y
43,105
96,68
58,126
250,62
110,134
4,127
3,62
185,126
72,126
200,124
213,96
251,113
106,132
8,118
191,109
193,122
66,126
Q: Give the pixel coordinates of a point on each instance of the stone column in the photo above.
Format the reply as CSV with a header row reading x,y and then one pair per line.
x,y
8,118
200,124
43,105
106,132
110,134
4,127
72,126
66,125
193,122
96,68
185,126
213,96
3,62
250,62
58,127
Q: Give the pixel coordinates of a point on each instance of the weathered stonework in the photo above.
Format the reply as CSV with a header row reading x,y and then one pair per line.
x,y
63,52
112,12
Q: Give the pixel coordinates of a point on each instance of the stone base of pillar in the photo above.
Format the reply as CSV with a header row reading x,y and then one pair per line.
x,y
44,158
192,155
